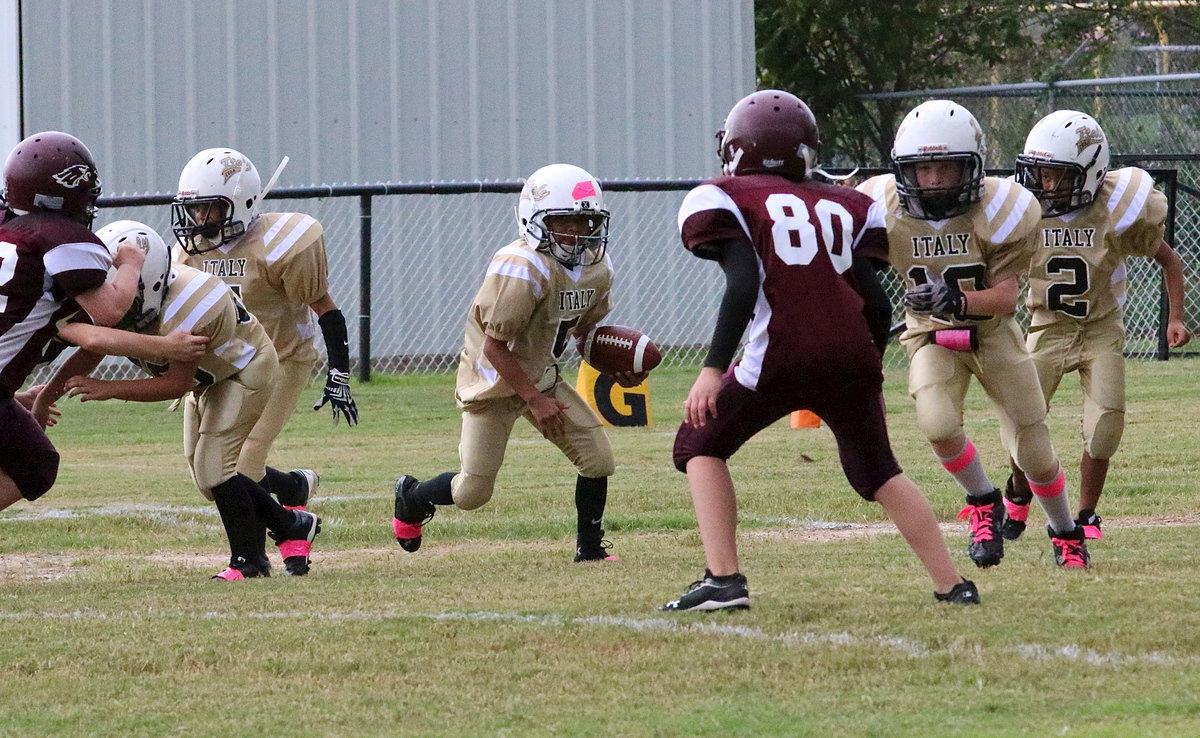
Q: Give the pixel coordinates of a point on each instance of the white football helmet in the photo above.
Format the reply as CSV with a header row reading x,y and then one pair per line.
x,y
219,193
563,189
938,130
152,286
1069,141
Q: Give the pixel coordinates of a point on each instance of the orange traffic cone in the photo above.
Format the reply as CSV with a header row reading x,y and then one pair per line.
x,y
805,419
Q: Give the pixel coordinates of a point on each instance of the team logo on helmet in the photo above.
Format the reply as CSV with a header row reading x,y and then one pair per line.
x,y
1087,136
539,192
74,176
231,165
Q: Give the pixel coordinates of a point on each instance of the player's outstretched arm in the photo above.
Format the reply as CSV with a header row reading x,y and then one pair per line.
x,y
180,377
82,362
1172,266
178,346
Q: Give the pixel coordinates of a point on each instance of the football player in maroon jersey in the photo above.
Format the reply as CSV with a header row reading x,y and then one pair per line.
x,y
799,259
50,190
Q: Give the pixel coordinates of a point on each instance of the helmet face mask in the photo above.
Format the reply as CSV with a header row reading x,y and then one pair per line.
x,y
938,132
153,281
52,172
561,212
219,191
1064,162
204,223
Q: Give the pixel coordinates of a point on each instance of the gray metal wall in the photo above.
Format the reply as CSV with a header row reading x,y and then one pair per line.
x,y
358,91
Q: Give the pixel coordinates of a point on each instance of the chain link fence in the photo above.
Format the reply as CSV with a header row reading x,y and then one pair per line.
x,y
405,293
1152,122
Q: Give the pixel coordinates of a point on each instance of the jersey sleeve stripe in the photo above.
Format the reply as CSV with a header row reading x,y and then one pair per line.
x,y
1024,201
289,239
1123,177
69,257
203,306
516,271
1003,187
1134,209
176,300
710,197
521,253
237,352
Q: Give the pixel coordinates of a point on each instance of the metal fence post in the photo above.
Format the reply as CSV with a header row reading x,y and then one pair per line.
x,y
1164,305
364,288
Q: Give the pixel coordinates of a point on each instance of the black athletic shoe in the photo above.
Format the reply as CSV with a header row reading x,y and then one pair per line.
x,y
410,514
1070,549
1090,525
296,544
963,593
599,549
1016,513
311,481
985,516
240,568
713,593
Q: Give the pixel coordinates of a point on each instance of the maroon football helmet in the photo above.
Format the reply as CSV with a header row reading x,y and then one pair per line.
x,y
52,171
769,132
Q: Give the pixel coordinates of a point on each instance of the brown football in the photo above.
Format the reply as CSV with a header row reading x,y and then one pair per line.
x,y
615,348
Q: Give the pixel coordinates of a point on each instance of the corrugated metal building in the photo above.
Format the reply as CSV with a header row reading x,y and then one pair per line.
x,y
368,91
360,91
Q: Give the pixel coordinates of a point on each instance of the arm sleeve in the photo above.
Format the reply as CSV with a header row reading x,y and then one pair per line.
x,y
337,342
877,308
740,263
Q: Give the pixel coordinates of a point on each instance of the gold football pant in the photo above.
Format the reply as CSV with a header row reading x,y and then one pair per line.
x,y
292,379
938,378
1096,351
487,425
217,421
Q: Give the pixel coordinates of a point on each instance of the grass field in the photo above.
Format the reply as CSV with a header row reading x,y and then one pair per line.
x,y
112,626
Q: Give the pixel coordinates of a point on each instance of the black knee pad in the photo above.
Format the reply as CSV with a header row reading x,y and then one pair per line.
x,y
36,475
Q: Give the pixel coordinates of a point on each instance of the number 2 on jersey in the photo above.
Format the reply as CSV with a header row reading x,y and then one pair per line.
x,y
1059,294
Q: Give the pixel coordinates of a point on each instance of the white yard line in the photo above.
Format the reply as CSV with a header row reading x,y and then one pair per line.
x,y
682,625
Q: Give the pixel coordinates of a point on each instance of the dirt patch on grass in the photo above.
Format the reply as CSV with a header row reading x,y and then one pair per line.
x,y
49,567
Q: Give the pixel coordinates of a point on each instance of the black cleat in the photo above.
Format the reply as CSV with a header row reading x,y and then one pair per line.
x,y
296,544
963,593
713,593
310,481
1016,513
1070,549
1090,525
595,551
240,568
410,514
985,516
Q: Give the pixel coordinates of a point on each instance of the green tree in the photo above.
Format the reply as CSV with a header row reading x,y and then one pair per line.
x,y
828,52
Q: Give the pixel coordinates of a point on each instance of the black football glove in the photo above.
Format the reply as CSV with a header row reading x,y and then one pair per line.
x,y
938,299
337,394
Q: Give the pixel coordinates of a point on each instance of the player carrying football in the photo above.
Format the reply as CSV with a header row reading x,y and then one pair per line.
x,y
961,242
549,285
799,259
1092,219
